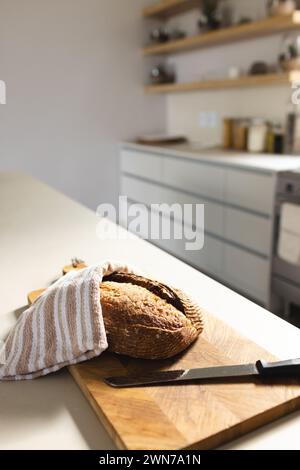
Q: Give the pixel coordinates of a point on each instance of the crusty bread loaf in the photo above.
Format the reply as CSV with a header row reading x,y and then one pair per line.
x,y
146,319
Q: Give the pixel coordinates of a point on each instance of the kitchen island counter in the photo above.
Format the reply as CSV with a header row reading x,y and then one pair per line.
x,y
262,161
41,230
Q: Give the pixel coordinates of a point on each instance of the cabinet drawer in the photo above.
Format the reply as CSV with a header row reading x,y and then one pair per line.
x,y
142,164
247,273
208,259
213,212
205,180
148,193
249,190
248,230
140,191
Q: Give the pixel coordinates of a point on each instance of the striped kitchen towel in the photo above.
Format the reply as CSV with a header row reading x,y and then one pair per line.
x,y
63,326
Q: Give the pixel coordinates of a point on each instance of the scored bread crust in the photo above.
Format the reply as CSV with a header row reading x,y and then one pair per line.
x,y
146,319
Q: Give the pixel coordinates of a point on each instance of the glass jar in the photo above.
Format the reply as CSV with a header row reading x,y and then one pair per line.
x,y
227,133
257,135
240,134
278,141
275,139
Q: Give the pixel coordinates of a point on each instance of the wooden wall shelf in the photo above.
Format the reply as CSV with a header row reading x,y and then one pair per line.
x,y
265,27
242,82
166,8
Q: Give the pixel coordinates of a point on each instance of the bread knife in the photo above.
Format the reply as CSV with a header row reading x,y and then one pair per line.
x,y
261,369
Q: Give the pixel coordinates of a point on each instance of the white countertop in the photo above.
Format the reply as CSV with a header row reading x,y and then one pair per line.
x,y
259,162
40,231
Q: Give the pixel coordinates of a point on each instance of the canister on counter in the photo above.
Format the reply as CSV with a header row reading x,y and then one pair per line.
x,y
240,134
270,139
228,133
292,139
257,135
277,139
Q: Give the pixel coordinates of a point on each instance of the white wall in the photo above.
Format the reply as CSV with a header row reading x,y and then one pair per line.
x,y
74,76
183,109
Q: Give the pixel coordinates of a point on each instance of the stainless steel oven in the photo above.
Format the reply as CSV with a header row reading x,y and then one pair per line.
x,y
285,276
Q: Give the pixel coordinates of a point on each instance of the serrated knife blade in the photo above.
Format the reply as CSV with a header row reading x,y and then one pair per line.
x,y
290,369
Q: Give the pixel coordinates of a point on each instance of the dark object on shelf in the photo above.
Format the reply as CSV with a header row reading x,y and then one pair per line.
x,y
281,58
245,20
177,34
288,65
259,68
161,75
226,14
210,16
159,35
293,50
289,59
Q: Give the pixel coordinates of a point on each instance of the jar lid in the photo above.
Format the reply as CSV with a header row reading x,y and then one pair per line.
x,y
278,129
258,121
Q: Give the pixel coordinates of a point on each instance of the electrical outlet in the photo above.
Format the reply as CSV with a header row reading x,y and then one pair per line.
x,y
207,119
212,119
202,120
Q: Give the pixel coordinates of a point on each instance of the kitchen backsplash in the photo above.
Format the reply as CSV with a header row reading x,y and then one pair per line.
x,y
199,114
187,113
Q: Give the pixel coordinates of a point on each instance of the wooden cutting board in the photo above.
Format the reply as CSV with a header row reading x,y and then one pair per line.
x,y
185,416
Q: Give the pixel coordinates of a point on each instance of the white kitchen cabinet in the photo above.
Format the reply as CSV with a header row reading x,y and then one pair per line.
x,y
248,230
247,273
203,180
238,203
209,259
140,191
250,190
142,164
150,193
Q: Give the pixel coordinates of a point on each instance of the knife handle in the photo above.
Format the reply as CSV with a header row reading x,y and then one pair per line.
x,y
289,368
